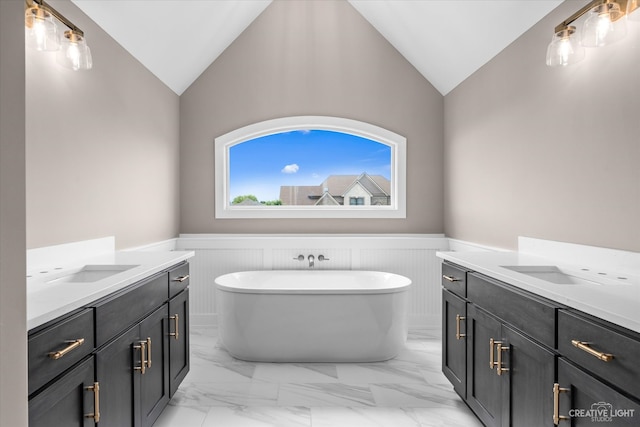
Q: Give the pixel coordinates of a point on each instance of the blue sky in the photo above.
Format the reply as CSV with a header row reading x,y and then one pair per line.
x,y
305,157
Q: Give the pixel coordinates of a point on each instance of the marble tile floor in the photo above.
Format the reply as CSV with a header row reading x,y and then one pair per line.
x,y
409,390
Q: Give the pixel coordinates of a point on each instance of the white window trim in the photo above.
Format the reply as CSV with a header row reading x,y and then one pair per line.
x,y
398,145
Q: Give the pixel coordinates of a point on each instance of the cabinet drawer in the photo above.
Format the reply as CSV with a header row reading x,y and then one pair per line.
x,y
121,310
454,279
178,280
58,347
533,315
622,370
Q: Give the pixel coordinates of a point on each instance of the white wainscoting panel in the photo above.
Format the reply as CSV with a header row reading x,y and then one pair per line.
x,y
422,267
412,256
205,267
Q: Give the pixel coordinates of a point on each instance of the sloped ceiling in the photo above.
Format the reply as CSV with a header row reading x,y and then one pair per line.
x,y
445,40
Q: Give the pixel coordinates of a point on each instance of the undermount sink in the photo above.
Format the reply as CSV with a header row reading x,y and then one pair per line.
x,y
92,273
550,273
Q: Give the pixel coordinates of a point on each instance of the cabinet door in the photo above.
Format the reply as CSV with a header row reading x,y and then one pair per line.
x,y
67,401
528,375
483,385
587,401
119,380
154,384
454,353
178,340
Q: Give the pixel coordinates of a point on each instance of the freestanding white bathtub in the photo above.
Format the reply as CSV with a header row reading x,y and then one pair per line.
x,y
312,316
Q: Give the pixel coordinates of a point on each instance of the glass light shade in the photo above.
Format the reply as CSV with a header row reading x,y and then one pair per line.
x,y
41,31
75,53
564,49
605,25
633,10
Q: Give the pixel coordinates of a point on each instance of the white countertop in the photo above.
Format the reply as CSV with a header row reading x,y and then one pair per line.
x,y
610,298
47,300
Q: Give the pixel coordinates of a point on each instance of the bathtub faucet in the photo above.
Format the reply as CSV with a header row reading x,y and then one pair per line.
x,y
311,259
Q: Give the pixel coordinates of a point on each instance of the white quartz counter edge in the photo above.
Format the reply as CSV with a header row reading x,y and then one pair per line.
x,y
618,304
47,301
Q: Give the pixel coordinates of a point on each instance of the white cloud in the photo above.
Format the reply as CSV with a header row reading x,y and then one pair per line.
x,y
293,168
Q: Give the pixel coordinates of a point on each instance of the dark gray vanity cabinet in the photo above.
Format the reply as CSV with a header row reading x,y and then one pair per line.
x,y
508,338
584,400
454,321
178,340
133,373
454,345
58,345
178,326
154,384
509,375
70,401
511,356
61,371
484,394
531,362
124,378
118,379
528,372
133,366
598,372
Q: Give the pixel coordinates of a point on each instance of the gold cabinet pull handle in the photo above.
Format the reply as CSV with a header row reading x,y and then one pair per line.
x,y
556,404
500,349
148,352
458,334
73,344
180,278
492,344
142,346
450,278
584,346
176,321
490,353
95,388
492,364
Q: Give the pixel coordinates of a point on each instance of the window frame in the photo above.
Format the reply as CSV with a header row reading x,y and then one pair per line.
x,y
397,143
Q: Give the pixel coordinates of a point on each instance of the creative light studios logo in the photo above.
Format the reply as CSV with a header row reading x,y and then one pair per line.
x,y
602,412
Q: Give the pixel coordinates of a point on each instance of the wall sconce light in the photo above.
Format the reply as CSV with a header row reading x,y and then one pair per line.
x,y
41,33
605,24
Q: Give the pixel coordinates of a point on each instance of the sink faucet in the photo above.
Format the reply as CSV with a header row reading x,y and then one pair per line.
x,y
311,259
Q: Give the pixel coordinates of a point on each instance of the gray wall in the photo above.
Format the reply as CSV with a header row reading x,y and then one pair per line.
x,y
102,147
546,153
311,58
13,322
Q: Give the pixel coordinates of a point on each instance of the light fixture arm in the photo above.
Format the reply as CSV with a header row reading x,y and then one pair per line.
x,y
57,14
564,24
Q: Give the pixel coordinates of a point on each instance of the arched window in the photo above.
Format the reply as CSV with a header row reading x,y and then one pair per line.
x,y
310,167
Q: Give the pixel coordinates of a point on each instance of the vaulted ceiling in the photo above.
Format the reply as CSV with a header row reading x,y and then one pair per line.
x,y
445,40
